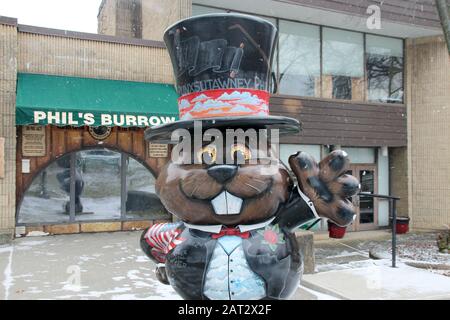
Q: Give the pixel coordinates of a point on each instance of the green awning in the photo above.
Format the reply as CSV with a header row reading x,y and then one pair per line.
x,y
58,100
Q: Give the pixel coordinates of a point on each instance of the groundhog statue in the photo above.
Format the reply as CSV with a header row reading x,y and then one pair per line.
x,y
237,206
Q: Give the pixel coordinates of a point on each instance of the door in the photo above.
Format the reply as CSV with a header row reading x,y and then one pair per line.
x,y
367,207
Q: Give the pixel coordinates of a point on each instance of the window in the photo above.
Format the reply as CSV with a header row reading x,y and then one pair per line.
x,y
343,65
200,10
299,60
108,185
98,173
142,201
343,72
47,198
384,69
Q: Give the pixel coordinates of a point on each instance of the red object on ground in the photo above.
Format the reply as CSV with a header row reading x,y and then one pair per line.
x,y
402,225
335,231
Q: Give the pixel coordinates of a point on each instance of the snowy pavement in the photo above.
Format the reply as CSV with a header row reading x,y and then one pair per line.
x,y
345,269
377,280
111,266
86,266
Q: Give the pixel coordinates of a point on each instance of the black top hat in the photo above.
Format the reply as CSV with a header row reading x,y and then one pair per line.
x,y
222,68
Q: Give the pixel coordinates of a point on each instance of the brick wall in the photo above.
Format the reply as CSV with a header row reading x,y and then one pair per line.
x,y
42,52
428,78
8,72
398,170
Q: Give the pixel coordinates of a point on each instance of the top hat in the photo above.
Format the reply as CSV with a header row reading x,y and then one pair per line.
x,y
222,65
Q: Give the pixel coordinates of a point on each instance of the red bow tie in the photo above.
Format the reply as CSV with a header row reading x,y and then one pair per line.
x,y
231,232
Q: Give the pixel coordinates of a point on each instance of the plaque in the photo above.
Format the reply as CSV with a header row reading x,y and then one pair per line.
x,y
33,141
157,150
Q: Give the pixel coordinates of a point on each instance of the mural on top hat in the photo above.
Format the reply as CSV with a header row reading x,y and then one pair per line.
x,y
235,238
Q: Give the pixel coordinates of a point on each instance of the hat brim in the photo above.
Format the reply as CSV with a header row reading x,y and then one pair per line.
x,y
163,133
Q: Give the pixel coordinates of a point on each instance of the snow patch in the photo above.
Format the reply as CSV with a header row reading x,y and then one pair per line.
x,y
37,234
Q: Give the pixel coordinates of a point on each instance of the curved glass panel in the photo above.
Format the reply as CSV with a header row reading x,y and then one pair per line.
x,y
47,198
104,190
99,171
142,201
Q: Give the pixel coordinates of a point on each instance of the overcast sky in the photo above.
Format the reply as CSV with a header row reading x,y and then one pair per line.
x,y
74,15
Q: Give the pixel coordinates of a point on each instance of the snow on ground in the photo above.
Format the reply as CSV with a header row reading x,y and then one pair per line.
x,y
417,248
376,279
112,266
84,266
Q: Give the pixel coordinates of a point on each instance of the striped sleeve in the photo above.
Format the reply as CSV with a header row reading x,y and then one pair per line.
x,y
158,240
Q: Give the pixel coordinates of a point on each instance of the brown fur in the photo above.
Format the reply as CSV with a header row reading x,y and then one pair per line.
x,y
186,192
332,186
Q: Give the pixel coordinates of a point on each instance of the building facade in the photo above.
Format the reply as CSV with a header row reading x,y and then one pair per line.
x,y
378,89
352,84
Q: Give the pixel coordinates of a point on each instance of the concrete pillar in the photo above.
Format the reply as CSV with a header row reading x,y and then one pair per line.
x,y
147,19
157,15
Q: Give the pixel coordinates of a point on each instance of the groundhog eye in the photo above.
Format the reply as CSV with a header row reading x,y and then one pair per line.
x,y
207,155
240,153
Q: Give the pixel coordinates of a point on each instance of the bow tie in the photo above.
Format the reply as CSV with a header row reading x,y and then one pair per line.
x,y
231,232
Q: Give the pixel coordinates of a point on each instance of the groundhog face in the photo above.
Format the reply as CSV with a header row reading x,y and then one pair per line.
x,y
206,194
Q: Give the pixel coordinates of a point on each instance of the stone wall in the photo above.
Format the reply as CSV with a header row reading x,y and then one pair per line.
x,y
157,15
8,74
147,19
107,18
428,79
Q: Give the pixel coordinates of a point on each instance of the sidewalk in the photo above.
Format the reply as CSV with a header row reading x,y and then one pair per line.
x,y
108,266
345,269
112,266
376,280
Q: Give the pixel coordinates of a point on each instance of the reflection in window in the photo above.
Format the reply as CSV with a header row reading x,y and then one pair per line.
x,y
200,10
47,198
366,204
299,59
99,171
103,190
142,201
384,69
343,64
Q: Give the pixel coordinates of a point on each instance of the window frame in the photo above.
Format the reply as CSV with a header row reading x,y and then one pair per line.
x,y
365,93
72,215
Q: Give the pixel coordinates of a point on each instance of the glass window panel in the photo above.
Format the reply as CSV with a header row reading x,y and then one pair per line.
x,y
385,69
47,198
142,201
343,64
360,155
286,150
299,50
98,172
366,204
199,10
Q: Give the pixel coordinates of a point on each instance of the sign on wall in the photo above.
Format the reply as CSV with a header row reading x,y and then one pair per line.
x,y
33,141
156,150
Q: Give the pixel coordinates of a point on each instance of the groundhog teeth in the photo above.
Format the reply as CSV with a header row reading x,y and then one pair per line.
x,y
227,204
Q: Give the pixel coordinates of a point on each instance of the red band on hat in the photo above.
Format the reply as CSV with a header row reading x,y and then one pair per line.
x,y
224,103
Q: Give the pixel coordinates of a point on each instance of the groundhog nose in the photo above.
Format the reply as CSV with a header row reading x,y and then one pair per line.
x,y
222,173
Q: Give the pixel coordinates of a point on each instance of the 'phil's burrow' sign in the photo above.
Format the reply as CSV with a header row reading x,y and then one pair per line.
x,y
65,118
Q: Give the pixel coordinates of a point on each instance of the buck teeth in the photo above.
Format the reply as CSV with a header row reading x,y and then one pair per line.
x,y
227,204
